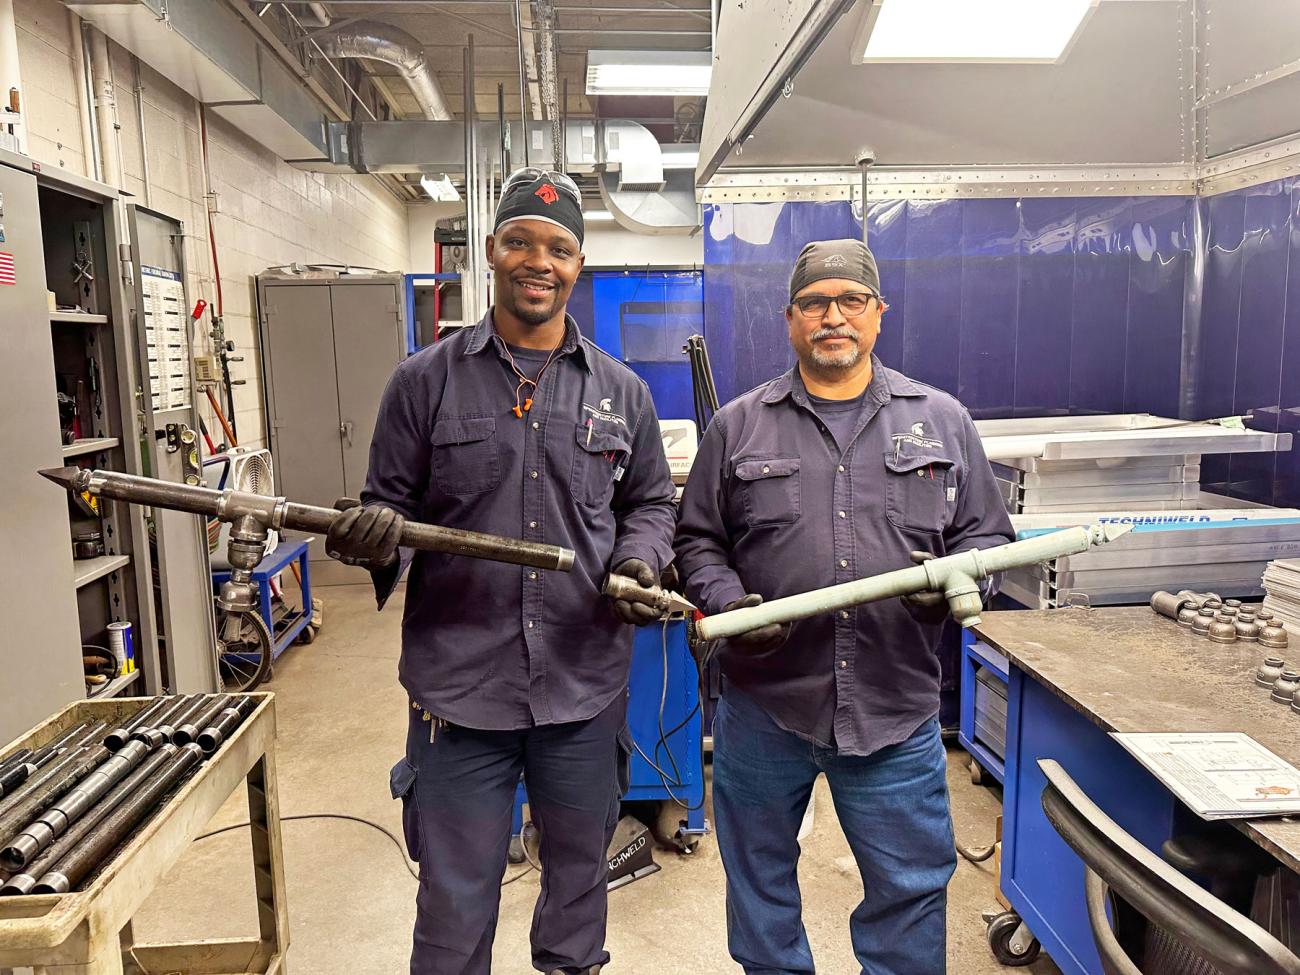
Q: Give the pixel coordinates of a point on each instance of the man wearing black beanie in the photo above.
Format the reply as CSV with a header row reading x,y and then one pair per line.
x,y
839,469
517,426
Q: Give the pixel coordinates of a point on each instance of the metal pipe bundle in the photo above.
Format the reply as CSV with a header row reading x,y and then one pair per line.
x,y
22,883
956,576
211,737
72,806
43,791
169,728
280,513
119,736
109,833
160,728
16,774
189,731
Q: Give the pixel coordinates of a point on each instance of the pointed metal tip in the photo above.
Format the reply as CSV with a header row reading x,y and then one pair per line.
x,y
65,477
1113,531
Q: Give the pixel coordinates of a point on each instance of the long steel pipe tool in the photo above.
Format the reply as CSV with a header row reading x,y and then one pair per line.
x,y
956,576
252,516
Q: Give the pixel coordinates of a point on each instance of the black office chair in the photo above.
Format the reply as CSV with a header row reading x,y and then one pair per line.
x,y
1164,923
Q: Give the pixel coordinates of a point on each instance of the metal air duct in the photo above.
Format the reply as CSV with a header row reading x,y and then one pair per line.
x,y
382,42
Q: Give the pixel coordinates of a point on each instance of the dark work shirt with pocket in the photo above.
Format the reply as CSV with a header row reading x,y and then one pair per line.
x,y
494,646
777,505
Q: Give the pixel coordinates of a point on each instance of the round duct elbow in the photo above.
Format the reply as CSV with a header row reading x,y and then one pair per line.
x,y
382,42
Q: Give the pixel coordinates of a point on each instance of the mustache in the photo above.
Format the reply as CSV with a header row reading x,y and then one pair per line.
x,y
839,332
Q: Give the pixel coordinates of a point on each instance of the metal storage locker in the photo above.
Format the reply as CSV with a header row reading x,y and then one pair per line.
x,y
330,342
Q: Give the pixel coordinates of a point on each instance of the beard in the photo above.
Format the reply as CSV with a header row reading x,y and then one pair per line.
x,y
535,313
845,359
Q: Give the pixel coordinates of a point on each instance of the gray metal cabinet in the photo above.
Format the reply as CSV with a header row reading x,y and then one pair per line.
x,y
330,342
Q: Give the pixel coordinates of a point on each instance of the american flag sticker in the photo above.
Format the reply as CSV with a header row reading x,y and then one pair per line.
x,y
7,273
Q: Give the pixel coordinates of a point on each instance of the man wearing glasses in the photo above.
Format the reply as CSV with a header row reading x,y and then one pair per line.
x,y
838,469
517,426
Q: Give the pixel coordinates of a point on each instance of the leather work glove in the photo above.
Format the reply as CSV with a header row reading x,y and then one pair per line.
x,y
638,614
765,639
365,536
928,606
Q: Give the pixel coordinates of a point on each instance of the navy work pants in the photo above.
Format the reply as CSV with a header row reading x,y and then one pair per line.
x,y
893,808
458,794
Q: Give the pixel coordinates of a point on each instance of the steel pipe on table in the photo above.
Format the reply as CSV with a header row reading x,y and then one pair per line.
x,y
189,731
956,576
281,513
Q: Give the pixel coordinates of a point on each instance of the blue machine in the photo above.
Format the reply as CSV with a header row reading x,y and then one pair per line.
x,y
285,631
667,726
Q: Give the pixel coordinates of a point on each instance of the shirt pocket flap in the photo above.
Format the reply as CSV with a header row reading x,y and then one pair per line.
x,y
910,457
459,430
757,470
595,441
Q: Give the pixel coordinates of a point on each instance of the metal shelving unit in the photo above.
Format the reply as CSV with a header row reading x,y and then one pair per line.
x,y
78,318
89,445
91,570
116,686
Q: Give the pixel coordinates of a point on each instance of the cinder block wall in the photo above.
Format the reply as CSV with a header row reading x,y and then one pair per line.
x,y
268,212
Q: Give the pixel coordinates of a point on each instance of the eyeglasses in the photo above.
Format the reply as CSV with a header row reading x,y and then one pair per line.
x,y
851,304
531,174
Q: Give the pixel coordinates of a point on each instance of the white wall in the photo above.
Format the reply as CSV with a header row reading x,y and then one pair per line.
x,y
268,212
609,245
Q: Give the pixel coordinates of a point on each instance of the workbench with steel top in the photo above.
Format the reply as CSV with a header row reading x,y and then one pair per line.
x,y
1075,676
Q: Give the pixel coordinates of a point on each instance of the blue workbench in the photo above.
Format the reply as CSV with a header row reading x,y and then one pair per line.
x,y
1075,675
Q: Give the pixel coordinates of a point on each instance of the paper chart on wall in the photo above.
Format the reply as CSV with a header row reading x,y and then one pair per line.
x,y
165,324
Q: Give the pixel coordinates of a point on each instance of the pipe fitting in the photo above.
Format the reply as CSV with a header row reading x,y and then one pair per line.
x,y
1186,615
1222,630
1269,671
1284,687
1201,625
1247,629
1167,604
1273,636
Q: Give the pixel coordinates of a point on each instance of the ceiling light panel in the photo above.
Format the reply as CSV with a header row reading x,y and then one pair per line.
x,y
649,72
966,31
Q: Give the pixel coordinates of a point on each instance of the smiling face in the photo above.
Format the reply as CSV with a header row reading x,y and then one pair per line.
x,y
535,265
836,343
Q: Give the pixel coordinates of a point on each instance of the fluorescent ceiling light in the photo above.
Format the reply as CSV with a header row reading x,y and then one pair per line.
x,y
598,216
649,72
683,156
440,190
1033,31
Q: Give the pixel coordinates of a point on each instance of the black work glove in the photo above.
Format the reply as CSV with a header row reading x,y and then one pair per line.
x,y
929,606
366,536
763,640
638,614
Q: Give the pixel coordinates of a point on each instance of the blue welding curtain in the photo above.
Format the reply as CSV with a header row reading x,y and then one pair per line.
x,y
644,318
1019,307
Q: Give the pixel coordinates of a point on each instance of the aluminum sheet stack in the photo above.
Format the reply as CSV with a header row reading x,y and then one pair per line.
x,y
1136,469
1282,593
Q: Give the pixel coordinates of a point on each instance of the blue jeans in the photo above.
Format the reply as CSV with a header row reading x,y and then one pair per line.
x,y
893,808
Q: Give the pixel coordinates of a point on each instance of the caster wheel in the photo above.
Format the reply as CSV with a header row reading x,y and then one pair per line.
x,y
516,852
976,773
308,634
1011,942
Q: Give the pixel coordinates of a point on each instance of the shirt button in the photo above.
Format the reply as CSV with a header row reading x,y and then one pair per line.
x,y
533,475
532,575
844,614
536,425
841,468
844,563
532,524
766,469
843,515
843,663
530,624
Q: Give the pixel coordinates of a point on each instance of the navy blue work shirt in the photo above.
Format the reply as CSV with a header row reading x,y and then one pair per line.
x,y
774,506
493,646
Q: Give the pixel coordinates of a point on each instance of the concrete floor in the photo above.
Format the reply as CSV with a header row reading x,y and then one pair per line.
x,y
342,721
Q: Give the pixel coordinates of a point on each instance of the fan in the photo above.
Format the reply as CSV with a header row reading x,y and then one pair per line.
x,y
243,469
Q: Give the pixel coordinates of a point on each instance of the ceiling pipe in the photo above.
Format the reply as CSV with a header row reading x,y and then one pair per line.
x,y
382,42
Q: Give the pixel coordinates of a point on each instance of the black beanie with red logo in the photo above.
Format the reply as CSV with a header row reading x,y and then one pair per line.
x,y
540,199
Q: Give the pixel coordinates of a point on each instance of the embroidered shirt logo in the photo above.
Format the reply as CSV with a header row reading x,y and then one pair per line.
x,y
836,260
918,428
605,412
917,437
546,193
